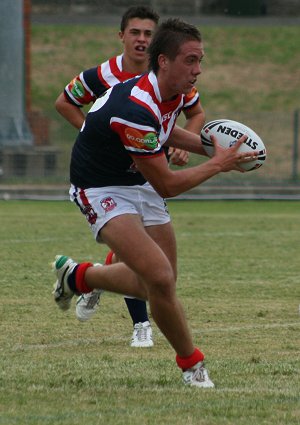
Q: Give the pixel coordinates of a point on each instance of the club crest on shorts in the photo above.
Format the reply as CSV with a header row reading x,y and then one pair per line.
x,y
108,204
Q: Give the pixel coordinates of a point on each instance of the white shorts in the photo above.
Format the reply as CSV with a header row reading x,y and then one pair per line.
x,y
101,204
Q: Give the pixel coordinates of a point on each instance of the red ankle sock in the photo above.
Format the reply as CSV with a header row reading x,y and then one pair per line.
x,y
81,285
190,361
108,259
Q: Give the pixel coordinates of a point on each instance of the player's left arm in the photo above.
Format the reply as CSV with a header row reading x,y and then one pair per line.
x,y
195,119
186,140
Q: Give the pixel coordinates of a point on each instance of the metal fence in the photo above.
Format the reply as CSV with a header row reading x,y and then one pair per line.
x,y
280,133
279,177
45,168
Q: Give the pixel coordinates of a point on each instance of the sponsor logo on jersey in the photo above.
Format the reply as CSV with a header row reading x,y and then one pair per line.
x,y
108,204
138,139
77,88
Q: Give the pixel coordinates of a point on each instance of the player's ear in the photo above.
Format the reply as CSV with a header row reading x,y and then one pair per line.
x,y
162,61
121,36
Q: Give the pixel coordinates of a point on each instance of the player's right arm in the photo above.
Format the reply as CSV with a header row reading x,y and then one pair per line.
x,y
169,183
69,111
82,90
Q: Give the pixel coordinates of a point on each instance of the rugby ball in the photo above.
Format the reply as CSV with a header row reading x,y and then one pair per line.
x,y
227,132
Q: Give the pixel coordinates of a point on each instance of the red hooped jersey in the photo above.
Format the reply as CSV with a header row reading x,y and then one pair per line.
x,y
86,87
129,119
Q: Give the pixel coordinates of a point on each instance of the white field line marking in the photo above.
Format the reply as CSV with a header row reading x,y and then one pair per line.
x,y
243,233
37,240
248,327
100,340
68,343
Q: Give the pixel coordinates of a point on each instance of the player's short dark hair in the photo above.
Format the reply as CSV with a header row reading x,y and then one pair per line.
x,y
168,38
142,12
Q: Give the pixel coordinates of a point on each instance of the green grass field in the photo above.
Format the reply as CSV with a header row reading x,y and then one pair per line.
x,y
239,283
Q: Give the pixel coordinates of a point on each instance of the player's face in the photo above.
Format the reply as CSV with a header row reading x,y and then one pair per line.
x,y
136,39
180,75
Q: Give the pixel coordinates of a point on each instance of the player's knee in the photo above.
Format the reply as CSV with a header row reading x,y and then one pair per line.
x,y
162,283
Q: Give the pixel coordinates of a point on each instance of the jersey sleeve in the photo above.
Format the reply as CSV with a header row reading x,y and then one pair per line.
x,y
85,88
191,99
138,139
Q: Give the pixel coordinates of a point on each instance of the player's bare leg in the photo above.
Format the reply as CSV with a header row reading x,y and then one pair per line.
x,y
148,274
154,262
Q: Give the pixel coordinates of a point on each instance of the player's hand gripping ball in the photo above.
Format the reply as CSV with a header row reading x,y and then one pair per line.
x,y
227,132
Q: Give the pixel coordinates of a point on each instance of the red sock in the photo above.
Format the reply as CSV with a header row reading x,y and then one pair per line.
x,y
81,285
190,361
108,259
